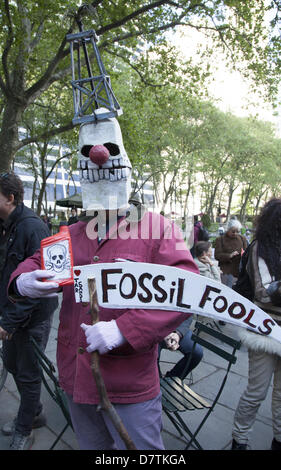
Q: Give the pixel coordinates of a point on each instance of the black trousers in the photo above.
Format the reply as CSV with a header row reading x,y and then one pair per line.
x,y
20,360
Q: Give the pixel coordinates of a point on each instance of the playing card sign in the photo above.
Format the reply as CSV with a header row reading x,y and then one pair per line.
x,y
124,285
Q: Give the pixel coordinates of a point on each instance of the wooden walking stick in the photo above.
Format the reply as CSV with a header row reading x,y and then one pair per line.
x,y
105,403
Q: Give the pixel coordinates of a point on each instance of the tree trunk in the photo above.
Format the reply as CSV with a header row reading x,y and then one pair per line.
x,y
188,190
247,193
230,196
34,192
40,197
212,197
259,199
55,191
9,138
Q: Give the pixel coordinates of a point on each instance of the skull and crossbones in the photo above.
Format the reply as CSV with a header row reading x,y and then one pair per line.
x,y
57,258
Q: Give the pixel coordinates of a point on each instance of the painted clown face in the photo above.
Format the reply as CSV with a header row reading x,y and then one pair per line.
x,y
105,169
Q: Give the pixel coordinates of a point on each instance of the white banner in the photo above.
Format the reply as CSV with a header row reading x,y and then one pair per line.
x,y
132,285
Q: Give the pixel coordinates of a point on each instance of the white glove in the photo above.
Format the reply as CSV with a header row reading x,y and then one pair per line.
x,y
29,284
103,336
172,341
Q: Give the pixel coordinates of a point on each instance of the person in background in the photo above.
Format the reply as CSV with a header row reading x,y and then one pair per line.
x,y
264,353
199,234
73,218
248,236
180,340
228,250
197,226
21,233
206,265
46,219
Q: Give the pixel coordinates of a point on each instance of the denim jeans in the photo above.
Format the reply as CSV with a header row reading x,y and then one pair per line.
x,y
20,360
228,279
186,345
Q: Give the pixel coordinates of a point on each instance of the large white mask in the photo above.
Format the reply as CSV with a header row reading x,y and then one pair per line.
x,y
105,169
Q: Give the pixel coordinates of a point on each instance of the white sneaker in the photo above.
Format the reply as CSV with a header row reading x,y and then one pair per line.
x,y
9,428
21,442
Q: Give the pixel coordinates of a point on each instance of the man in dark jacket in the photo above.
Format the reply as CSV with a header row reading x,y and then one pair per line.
x,y
21,232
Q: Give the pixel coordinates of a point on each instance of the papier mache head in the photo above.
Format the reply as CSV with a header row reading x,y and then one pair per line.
x,y
105,169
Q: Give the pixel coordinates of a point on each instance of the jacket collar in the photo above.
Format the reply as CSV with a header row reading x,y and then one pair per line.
x,y
17,212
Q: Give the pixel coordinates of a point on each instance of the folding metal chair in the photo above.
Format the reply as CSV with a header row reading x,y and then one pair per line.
x,y
50,381
177,397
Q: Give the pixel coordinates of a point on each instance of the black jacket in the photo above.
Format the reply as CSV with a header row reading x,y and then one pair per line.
x,y
26,231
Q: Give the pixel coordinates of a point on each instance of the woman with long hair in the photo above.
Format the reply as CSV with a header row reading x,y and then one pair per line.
x,y
264,269
268,235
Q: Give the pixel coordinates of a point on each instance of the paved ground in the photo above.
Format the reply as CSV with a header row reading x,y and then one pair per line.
x,y
216,433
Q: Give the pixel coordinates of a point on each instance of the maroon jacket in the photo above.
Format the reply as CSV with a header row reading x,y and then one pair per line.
x,y
130,371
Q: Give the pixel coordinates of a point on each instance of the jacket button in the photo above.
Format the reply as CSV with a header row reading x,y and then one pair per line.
x,y
96,258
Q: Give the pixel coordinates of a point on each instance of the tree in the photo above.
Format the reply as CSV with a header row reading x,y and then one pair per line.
x,y
39,120
263,157
34,51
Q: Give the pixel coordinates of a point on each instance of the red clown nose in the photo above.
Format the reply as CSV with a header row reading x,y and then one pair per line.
x,y
99,154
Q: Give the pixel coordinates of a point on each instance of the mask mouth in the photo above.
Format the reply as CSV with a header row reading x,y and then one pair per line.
x,y
116,163
113,172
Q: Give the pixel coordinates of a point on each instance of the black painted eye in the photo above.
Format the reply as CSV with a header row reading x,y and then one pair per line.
x,y
85,150
112,148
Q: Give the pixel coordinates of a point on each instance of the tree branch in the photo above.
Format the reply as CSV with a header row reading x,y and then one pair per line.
x,y
38,35
45,135
45,80
155,85
131,16
95,367
66,155
3,87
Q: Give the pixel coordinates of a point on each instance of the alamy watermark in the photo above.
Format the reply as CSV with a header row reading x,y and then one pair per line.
x,y
138,225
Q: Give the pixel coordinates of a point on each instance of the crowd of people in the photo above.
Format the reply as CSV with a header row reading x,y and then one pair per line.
x,y
264,271
25,313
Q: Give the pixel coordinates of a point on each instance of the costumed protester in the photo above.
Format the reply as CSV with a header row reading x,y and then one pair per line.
x,y
21,233
127,340
264,271
228,250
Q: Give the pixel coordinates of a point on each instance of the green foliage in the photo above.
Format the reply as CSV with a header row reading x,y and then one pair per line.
x,y
206,220
175,138
171,131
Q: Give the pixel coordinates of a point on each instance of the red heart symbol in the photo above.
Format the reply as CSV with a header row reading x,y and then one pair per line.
x,y
77,272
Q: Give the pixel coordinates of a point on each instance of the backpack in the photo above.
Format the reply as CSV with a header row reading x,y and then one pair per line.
x,y
243,284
